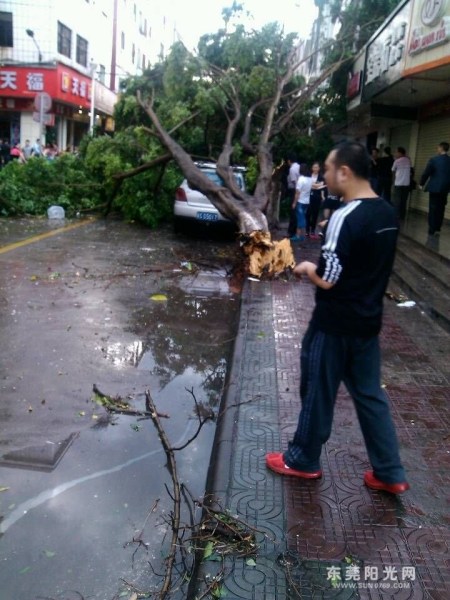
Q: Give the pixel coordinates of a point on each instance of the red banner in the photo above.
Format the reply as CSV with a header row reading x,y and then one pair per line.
x,y
62,83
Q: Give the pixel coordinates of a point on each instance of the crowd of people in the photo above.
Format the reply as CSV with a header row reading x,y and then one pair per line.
x,y
309,200
391,177
22,153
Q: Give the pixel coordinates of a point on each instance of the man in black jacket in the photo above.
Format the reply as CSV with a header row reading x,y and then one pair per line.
x,y
341,343
436,176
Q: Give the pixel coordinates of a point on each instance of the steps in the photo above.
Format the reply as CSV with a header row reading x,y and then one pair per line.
x,y
423,275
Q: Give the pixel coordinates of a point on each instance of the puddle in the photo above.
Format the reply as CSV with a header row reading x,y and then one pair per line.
x,y
71,511
70,529
83,487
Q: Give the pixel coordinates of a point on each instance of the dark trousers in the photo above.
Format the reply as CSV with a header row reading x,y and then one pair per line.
x,y
436,210
313,214
292,227
401,194
326,361
385,188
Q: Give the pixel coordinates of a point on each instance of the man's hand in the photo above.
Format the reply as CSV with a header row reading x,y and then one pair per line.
x,y
309,269
304,268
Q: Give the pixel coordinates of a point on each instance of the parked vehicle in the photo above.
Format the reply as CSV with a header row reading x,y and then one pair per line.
x,y
191,207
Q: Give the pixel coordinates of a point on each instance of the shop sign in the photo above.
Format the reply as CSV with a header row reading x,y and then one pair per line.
x,y
385,55
354,85
435,31
62,83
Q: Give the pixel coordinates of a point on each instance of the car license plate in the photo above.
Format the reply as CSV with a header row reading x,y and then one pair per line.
x,y
207,216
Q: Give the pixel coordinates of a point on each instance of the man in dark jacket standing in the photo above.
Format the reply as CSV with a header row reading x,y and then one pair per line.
x,y
437,177
341,343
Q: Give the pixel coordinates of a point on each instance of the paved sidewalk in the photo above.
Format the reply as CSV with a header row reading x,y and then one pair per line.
x,y
311,534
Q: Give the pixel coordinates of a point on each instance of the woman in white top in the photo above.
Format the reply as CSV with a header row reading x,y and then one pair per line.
x,y
402,181
301,201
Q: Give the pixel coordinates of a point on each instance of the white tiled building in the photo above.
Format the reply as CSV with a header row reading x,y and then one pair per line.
x,y
59,48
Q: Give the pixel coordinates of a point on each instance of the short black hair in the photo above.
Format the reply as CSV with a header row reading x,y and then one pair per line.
x,y
444,146
304,170
401,150
355,156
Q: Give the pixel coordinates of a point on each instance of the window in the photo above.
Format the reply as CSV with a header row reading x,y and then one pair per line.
x,y
64,40
102,74
122,40
82,51
133,53
6,30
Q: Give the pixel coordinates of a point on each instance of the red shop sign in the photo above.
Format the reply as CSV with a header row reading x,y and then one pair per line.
x,y
62,83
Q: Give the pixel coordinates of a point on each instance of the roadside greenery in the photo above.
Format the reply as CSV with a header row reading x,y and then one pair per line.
x,y
30,188
85,183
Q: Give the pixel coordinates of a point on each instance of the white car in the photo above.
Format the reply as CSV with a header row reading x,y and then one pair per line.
x,y
192,207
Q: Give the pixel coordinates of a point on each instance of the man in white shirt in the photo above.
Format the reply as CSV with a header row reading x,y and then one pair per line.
x,y
402,181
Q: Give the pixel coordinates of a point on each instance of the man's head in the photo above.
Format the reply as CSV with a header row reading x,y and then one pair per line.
x,y
401,152
443,147
347,164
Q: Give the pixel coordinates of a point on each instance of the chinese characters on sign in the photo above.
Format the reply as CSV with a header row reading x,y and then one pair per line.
x,y
386,53
8,80
75,85
61,83
431,38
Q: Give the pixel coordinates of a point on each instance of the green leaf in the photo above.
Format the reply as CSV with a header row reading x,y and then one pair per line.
x,y
49,554
24,570
250,562
4,488
209,548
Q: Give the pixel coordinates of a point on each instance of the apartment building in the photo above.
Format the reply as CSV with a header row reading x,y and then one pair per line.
x,y
61,64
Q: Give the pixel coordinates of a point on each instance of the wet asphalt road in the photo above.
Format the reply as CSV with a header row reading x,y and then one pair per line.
x,y
130,310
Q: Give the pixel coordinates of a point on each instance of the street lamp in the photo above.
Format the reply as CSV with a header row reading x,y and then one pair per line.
x,y
92,116
30,33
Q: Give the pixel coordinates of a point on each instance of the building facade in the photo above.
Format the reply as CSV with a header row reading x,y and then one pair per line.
x,y
399,90
61,65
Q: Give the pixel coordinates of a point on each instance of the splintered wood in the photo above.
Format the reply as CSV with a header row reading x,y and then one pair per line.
x,y
266,257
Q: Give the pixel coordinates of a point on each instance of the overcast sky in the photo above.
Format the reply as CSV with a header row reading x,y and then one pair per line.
x,y
193,18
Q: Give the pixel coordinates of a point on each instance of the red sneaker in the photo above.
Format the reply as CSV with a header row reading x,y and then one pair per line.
x,y
375,484
275,462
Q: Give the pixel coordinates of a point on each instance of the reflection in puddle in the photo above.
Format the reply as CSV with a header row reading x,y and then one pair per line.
x,y
122,355
68,530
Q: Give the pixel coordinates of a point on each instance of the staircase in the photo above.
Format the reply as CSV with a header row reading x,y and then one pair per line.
x,y
423,275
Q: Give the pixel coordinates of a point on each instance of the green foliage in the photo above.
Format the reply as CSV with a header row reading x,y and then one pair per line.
x,y
30,188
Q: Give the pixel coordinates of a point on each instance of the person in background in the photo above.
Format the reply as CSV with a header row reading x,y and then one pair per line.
x,y
385,163
401,167
301,202
317,197
5,151
17,154
37,148
292,177
27,149
341,343
436,177
374,174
